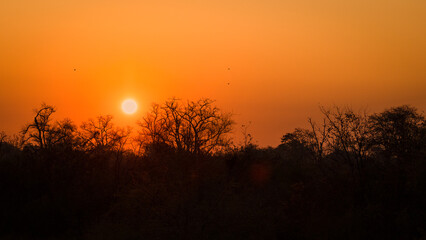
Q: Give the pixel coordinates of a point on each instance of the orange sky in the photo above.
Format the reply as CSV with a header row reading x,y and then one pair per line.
x,y
285,57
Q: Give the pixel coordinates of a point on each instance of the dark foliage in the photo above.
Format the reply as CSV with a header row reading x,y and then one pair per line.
x,y
355,176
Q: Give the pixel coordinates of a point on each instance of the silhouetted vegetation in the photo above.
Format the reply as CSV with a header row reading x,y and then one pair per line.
x,y
351,175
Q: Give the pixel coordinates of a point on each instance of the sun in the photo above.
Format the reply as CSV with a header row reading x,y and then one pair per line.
x,y
129,106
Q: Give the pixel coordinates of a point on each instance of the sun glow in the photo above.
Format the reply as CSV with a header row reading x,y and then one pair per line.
x,y
129,106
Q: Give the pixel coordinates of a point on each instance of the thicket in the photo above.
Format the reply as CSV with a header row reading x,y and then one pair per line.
x,y
351,175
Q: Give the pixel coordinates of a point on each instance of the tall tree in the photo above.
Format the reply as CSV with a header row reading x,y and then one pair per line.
x,y
196,127
349,134
38,130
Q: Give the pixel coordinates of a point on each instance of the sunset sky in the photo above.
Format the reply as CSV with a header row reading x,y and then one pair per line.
x,y
282,59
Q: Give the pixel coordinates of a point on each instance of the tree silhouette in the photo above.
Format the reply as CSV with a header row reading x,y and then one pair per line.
x,y
349,176
63,133
197,127
3,137
349,135
101,134
39,129
399,131
314,140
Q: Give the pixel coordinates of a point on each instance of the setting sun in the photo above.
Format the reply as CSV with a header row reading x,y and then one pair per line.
x,y
129,106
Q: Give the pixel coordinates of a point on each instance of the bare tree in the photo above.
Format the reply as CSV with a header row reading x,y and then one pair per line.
x,y
62,133
38,131
205,126
349,134
155,126
318,137
247,137
196,127
173,117
102,134
315,140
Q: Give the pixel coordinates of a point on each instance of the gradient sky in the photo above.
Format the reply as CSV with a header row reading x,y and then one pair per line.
x,y
285,57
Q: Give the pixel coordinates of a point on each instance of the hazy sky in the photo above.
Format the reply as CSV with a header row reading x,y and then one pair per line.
x,y
285,57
